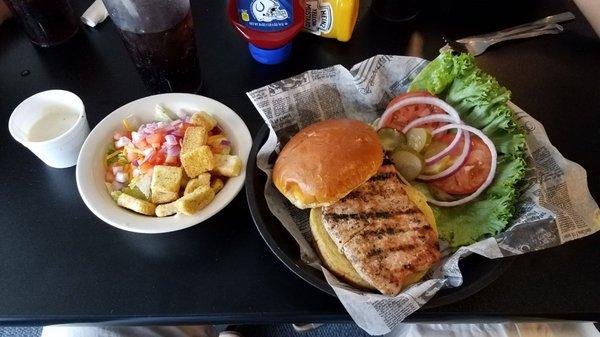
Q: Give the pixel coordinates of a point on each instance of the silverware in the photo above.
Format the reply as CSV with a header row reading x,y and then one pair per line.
x,y
478,44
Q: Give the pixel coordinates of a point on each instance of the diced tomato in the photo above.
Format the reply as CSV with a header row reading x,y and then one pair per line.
x,y
156,139
142,144
145,167
172,161
401,117
472,173
158,158
109,177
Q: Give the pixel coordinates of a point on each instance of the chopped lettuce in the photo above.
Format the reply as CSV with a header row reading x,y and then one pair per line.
x,y
482,103
134,192
115,195
162,114
142,183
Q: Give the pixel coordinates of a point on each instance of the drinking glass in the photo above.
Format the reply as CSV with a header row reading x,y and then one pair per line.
x,y
46,22
159,36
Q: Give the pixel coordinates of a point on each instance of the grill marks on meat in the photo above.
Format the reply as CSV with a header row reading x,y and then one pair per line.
x,y
381,232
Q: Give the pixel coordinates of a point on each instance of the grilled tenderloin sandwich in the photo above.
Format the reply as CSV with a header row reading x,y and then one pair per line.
x,y
370,229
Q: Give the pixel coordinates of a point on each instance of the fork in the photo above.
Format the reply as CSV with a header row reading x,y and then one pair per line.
x,y
477,45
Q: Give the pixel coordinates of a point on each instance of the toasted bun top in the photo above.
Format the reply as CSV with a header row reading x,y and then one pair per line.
x,y
327,160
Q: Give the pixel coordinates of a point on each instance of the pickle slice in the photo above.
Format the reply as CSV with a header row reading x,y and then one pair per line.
x,y
418,139
408,163
391,138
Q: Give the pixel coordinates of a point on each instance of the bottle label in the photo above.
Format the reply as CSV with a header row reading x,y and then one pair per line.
x,y
266,15
318,17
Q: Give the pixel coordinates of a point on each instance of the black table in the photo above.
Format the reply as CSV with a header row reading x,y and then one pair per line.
x,y
59,263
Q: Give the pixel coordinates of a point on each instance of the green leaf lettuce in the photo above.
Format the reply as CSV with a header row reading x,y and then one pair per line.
x,y
482,103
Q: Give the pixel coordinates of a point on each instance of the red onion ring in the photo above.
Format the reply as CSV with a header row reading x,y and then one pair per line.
x,y
387,114
458,163
432,119
490,176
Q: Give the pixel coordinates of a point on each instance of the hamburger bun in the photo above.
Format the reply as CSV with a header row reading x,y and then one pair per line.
x,y
338,264
327,160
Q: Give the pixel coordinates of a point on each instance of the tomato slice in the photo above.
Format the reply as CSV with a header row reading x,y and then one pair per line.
x,y
401,117
472,173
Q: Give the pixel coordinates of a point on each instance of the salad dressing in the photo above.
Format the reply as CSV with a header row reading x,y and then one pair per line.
x,y
56,121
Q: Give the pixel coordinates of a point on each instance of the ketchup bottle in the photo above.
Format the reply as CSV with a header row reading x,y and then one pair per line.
x,y
268,25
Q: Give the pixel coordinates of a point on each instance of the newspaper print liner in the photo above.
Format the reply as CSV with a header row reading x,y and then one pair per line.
x,y
546,214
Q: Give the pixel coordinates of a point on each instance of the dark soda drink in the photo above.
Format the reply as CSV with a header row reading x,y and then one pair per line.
x,y
46,22
167,60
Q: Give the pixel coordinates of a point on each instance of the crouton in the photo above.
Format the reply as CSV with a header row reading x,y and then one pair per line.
x,y
202,180
194,137
166,182
166,209
217,185
195,201
136,205
197,161
228,166
204,119
162,197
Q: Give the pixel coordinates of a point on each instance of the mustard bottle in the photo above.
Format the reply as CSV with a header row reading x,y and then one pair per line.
x,y
331,18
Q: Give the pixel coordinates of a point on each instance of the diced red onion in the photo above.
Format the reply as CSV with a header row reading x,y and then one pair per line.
x,y
116,169
225,142
173,151
169,129
388,113
135,163
432,119
177,133
121,177
122,142
458,163
117,185
148,151
490,176
170,140
136,136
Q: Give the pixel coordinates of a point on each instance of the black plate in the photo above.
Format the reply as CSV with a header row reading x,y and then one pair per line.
x,y
477,271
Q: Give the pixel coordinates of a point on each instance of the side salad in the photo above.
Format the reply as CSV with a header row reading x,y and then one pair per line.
x,y
454,137
175,164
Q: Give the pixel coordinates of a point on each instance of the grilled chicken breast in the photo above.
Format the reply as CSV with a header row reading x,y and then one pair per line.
x,y
381,232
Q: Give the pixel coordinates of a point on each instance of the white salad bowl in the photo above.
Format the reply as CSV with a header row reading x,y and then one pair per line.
x,y
91,168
